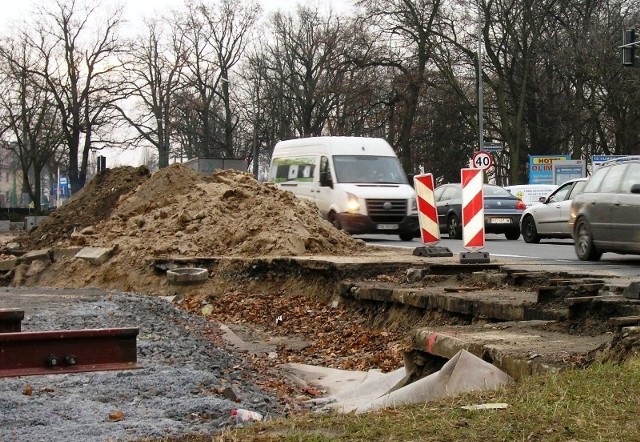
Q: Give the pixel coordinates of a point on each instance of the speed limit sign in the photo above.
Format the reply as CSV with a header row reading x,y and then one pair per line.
x,y
482,160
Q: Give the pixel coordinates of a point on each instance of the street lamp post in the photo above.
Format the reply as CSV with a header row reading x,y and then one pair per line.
x,y
480,91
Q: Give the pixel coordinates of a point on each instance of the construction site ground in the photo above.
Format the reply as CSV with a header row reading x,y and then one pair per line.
x,y
285,286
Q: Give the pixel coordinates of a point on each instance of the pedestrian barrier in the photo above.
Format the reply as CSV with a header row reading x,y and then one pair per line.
x,y
428,218
427,213
472,215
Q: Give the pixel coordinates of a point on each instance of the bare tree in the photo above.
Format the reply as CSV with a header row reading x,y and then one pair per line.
x,y
306,59
407,28
79,60
29,115
217,35
153,78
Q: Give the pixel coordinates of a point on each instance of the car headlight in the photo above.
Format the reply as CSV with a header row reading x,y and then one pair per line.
x,y
353,204
414,205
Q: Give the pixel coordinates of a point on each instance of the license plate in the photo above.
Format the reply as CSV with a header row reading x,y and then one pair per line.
x,y
387,226
500,220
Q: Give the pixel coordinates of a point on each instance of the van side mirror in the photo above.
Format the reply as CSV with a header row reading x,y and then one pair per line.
x,y
635,188
325,179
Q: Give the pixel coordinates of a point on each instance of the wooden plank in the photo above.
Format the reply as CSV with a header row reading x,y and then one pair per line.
x,y
624,320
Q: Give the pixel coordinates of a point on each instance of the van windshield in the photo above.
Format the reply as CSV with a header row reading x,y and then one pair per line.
x,y
368,169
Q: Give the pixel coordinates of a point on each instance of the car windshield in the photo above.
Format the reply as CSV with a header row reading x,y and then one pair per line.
x,y
368,169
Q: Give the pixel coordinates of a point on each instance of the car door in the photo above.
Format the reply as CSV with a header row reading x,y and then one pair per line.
x,y
446,201
565,209
625,212
555,212
605,229
324,189
437,196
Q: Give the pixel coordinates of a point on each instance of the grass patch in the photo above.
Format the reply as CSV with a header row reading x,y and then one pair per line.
x,y
600,403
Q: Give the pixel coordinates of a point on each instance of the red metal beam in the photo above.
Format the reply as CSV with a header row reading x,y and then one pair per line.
x,y
67,351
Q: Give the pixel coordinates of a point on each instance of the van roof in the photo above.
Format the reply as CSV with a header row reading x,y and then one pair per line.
x,y
338,145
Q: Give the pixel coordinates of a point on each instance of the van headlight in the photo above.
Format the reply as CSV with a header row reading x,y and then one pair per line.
x,y
353,203
414,205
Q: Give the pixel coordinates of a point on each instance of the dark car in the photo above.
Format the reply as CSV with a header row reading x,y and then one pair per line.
x,y
605,217
502,210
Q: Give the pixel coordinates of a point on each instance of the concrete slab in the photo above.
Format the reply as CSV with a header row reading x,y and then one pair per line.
x,y
8,264
496,304
95,255
632,291
68,252
36,255
520,349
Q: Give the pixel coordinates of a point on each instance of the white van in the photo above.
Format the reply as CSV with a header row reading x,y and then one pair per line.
x,y
357,183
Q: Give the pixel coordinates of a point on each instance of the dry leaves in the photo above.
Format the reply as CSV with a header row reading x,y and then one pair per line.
x,y
116,416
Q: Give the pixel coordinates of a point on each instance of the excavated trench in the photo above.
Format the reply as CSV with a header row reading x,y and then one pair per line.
x,y
522,322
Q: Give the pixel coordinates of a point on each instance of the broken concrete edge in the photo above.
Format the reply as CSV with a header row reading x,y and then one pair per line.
x,y
451,302
95,255
446,346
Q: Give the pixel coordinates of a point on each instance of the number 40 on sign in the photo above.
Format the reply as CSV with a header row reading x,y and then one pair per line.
x,y
482,160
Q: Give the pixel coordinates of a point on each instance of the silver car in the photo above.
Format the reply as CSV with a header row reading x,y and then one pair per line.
x,y
605,217
550,218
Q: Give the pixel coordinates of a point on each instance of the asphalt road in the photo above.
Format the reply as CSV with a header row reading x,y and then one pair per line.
x,y
550,252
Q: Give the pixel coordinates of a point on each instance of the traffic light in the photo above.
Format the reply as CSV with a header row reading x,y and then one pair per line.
x,y
629,44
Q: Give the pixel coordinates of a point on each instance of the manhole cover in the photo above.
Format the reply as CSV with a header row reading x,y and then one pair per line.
x,y
189,275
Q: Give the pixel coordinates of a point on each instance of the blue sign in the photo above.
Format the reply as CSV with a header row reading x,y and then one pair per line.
x,y
541,168
603,158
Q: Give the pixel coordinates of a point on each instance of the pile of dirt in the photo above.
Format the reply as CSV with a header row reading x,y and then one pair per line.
x,y
93,204
177,212
180,212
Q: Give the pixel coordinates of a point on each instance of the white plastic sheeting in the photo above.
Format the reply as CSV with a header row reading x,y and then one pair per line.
x,y
349,391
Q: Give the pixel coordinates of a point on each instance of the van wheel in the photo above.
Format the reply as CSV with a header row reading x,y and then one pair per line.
x,y
583,242
454,227
407,236
334,221
529,231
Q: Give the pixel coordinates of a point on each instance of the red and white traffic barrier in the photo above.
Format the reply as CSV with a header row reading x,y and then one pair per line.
x,y
427,212
472,209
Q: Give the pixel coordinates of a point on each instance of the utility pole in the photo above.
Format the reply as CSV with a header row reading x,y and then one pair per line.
x,y
480,91
256,115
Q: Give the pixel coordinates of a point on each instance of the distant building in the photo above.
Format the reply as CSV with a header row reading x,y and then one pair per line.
x,y
10,177
11,182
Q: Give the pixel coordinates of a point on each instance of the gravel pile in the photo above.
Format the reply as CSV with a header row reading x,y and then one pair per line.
x,y
188,384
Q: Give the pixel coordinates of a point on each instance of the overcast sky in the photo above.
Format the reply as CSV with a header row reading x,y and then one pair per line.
x,y
135,10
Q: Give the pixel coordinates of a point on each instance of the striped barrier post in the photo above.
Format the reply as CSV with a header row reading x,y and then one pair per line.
x,y
428,217
427,213
472,216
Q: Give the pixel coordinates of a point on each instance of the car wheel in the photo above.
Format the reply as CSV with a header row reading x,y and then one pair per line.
x,y
512,235
454,227
583,242
406,236
529,231
334,220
